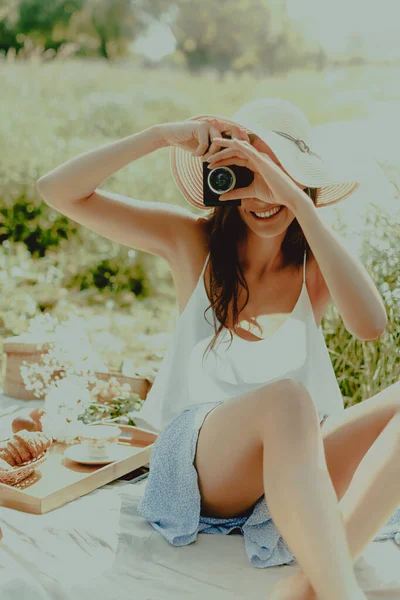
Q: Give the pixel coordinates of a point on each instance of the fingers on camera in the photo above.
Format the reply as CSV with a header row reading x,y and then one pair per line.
x,y
242,135
238,133
208,147
214,147
203,140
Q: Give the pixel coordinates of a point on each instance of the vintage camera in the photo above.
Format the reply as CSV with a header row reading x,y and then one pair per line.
x,y
223,179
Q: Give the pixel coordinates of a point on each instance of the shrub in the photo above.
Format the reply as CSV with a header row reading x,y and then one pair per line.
x,y
34,226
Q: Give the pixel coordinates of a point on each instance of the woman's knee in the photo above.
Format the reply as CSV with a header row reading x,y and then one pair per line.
x,y
286,402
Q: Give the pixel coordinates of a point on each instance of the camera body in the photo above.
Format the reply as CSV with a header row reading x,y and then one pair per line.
x,y
222,179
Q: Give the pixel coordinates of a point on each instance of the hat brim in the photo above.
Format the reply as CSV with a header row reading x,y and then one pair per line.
x,y
331,177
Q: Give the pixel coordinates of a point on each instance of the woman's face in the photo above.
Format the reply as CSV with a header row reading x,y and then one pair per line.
x,y
266,226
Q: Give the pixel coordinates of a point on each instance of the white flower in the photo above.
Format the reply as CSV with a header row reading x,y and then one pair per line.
x,y
70,353
104,340
110,389
14,322
100,385
23,303
67,367
60,429
69,391
41,324
65,402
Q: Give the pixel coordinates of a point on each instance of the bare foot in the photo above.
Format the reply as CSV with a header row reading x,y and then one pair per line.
x,y
295,587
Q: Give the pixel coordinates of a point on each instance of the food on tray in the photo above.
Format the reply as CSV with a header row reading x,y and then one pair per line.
x,y
23,423
18,451
6,455
30,423
22,447
22,450
36,414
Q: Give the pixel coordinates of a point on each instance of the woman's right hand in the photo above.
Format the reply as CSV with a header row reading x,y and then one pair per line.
x,y
195,136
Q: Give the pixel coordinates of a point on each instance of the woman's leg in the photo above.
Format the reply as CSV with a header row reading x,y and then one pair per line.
x,y
269,440
362,450
370,495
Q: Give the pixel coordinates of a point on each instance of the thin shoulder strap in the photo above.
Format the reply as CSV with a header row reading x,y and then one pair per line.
x,y
205,265
304,265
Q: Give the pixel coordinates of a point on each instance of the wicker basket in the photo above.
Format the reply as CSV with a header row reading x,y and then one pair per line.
x,y
17,474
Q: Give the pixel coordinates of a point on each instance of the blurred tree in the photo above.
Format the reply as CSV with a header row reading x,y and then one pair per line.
x,y
279,45
9,14
112,25
238,34
321,58
100,26
211,34
36,16
355,51
46,23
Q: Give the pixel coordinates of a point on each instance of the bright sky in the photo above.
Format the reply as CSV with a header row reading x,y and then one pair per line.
x,y
329,22
158,42
333,22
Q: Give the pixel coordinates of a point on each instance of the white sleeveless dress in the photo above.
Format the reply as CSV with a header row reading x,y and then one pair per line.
x,y
187,388
296,349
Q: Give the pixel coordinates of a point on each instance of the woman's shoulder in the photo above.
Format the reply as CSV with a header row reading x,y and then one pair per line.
x,y
189,259
194,239
190,236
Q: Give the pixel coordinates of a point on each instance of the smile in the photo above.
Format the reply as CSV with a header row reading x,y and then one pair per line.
x,y
269,214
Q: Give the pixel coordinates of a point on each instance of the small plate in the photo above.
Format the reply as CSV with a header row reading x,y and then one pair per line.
x,y
79,453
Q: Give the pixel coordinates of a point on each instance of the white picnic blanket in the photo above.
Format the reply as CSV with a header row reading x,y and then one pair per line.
x,y
99,547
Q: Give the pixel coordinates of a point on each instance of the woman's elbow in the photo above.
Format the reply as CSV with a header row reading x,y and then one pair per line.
x,y
47,192
41,188
373,334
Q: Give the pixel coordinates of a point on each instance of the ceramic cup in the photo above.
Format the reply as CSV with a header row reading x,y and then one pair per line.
x,y
99,439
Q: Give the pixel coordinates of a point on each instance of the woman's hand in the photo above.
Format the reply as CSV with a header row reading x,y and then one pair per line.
x,y
195,136
271,183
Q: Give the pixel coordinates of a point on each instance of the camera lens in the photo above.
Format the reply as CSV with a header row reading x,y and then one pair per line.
x,y
221,180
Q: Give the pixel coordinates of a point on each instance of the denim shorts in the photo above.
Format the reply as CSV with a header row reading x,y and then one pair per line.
x,y
171,500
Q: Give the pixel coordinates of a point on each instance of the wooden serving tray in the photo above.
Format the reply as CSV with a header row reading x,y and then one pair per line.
x,y
59,480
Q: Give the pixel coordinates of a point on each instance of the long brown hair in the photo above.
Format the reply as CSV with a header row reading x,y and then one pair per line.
x,y
225,228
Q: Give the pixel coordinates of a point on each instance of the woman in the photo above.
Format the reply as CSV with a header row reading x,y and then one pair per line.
x,y
238,405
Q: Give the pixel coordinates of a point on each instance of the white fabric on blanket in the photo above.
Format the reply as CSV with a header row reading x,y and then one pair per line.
x,y
99,547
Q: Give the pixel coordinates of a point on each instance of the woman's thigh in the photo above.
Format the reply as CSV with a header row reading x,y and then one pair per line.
x,y
348,436
230,448
229,453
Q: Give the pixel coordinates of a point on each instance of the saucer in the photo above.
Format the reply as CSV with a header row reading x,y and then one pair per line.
x,y
79,453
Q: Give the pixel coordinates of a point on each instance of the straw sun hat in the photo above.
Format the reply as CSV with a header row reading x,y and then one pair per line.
x,y
288,133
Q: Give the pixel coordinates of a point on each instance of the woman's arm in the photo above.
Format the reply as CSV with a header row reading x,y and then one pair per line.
x,y
71,188
342,276
77,178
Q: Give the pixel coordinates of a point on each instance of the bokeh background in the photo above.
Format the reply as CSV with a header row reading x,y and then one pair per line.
x,y
77,74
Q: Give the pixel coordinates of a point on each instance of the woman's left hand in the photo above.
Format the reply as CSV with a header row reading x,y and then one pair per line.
x,y
271,184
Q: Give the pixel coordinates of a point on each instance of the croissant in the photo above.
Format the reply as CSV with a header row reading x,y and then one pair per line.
x,y
31,441
18,451
23,447
6,455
